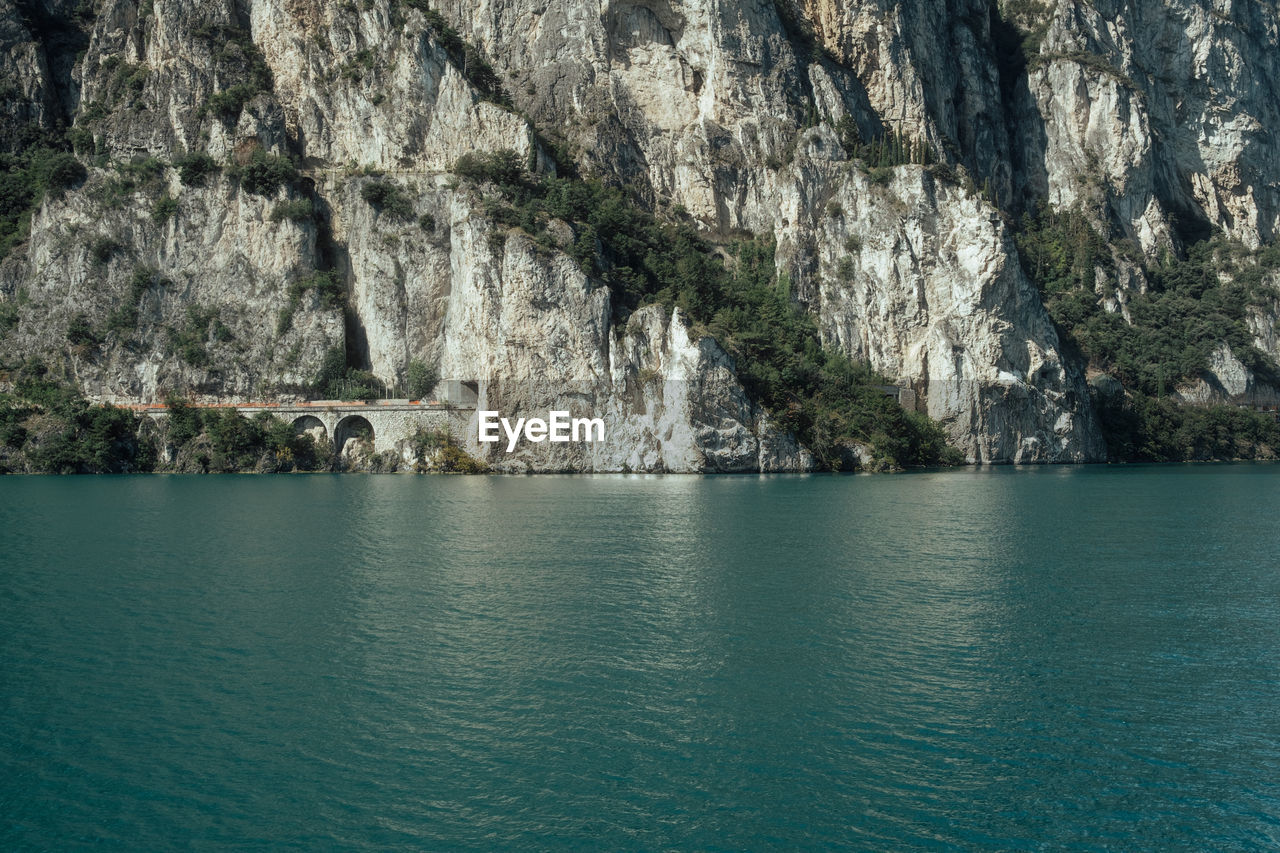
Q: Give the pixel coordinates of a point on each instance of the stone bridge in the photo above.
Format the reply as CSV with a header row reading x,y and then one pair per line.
x,y
386,422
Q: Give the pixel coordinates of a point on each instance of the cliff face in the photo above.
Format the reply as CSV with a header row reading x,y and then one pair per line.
x,y
191,303
1166,109
757,117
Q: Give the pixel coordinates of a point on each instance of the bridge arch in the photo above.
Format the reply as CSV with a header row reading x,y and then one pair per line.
x,y
352,426
312,426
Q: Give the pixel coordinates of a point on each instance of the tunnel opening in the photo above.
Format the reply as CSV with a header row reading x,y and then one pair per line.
x,y
352,427
312,426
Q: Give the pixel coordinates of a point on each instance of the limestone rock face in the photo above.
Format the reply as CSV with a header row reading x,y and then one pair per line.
x,y
536,335
670,402
704,104
1155,116
938,296
28,97
1264,323
344,79
190,305
1227,380
1162,112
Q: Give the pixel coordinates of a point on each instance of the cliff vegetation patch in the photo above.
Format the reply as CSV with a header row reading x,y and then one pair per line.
x,y
41,167
1192,305
47,427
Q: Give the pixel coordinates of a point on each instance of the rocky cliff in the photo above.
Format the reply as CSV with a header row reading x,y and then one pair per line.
x,y
266,180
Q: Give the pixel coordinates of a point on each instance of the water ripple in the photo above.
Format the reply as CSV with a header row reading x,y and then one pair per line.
x,y
1077,659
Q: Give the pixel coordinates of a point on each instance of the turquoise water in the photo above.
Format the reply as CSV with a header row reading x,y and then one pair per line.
x,y
1015,660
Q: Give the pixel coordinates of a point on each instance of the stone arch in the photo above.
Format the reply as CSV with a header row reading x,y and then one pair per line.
x,y
312,426
352,426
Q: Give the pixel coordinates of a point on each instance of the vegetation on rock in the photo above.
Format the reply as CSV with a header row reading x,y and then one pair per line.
x,y
437,451
337,380
1190,307
39,168
240,66
463,55
421,380
264,174
830,402
194,169
389,199
47,427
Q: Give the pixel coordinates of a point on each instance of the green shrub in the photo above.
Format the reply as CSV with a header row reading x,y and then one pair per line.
x,y
9,317
1140,428
1191,307
880,176
333,367
184,423
80,332
284,320
228,103
81,139
190,340
1187,311
265,174
194,169
849,134
94,112
298,210
141,174
34,385
13,431
504,168
421,380
238,443
292,451
361,385
64,172
846,269
123,319
355,67
127,83
69,436
237,58
103,248
164,209
327,286
38,167
94,440
886,151
336,380
389,199
447,456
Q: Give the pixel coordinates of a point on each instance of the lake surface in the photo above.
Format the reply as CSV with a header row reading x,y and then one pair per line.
x,y
1078,658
